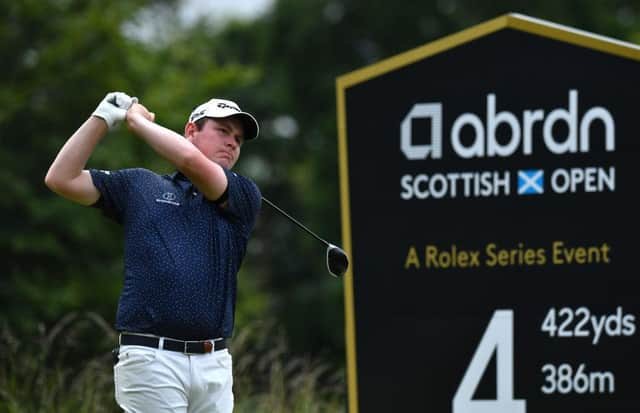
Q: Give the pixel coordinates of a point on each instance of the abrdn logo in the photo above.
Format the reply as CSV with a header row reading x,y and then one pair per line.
x,y
577,135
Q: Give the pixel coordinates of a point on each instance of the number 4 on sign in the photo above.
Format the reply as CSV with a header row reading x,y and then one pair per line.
x,y
499,337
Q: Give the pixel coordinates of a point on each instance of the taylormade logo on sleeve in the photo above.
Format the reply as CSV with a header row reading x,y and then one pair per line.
x,y
563,130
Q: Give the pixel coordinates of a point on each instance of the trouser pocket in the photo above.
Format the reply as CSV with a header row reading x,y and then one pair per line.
x,y
114,355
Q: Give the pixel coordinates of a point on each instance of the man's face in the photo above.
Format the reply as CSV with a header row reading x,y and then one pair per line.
x,y
219,139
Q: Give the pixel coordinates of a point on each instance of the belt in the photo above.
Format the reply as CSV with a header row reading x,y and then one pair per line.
x,y
185,347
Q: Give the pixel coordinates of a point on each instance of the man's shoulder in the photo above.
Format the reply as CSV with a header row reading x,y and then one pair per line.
x,y
242,179
244,198
143,175
141,172
128,178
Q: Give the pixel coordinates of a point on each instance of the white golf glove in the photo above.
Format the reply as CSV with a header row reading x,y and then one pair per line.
x,y
113,108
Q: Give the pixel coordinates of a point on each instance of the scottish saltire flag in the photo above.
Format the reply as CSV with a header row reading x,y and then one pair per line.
x,y
531,182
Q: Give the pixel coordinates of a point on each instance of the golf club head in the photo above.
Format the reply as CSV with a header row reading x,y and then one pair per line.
x,y
337,261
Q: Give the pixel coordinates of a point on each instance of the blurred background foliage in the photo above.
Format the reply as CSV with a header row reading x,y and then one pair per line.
x,y
60,57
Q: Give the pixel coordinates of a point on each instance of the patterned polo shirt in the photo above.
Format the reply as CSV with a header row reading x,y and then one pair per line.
x,y
182,252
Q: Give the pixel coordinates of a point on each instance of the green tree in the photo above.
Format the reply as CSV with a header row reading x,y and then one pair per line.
x,y
61,57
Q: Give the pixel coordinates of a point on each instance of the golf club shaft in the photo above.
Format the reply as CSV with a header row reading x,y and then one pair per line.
x,y
295,221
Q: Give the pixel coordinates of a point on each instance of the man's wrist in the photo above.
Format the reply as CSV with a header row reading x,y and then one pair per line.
x,y
98,125
100,119
134,120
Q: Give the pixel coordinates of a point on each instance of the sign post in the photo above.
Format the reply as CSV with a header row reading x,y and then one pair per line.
x,y
489,209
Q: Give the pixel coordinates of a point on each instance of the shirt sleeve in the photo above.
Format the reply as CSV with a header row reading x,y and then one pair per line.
x,y
114,188
244,199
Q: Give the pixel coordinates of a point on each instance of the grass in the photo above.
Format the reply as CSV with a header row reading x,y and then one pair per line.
x,y
268,380
56,371
68,368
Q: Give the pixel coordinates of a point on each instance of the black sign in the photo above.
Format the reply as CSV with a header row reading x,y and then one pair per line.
x,y
488,190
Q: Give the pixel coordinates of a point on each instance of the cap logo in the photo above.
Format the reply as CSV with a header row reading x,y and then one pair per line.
x,y
223,105
195,115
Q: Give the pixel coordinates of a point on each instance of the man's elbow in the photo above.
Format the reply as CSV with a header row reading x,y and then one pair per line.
x,y
57,184
76,190
51,181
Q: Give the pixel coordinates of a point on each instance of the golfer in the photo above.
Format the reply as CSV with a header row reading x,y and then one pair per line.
x,y
185,235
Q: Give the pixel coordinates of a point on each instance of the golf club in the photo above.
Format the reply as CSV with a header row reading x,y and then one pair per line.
x,y
337,261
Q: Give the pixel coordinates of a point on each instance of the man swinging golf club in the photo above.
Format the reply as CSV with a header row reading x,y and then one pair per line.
x,y
185,237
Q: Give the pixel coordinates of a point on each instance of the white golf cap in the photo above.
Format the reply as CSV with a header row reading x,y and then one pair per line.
x,y
221,108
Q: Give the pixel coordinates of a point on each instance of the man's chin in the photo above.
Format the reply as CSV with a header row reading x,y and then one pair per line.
x,y
225,163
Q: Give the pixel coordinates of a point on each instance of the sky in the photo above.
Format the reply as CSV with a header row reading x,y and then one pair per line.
x,y
224,8
150,27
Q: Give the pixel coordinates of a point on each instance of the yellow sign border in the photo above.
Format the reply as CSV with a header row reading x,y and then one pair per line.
x,y
513,21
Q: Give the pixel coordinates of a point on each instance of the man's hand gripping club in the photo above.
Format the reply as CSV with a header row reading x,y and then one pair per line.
x,y
113,108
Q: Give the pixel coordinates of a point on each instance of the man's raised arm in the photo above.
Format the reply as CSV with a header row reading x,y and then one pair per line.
x,y
67,176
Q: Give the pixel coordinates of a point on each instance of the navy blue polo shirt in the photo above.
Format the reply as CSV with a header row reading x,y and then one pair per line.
x,y
182,252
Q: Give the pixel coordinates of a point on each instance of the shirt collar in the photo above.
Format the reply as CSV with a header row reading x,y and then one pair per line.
x,y
179,176
182,181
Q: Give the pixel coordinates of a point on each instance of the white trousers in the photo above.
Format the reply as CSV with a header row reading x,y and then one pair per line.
x,y
153,380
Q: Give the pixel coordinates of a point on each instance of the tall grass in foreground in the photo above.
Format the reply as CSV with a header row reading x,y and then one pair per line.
x,y
63,369
268,380
68,368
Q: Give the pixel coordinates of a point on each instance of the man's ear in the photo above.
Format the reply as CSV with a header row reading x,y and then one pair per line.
x,y
189,129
